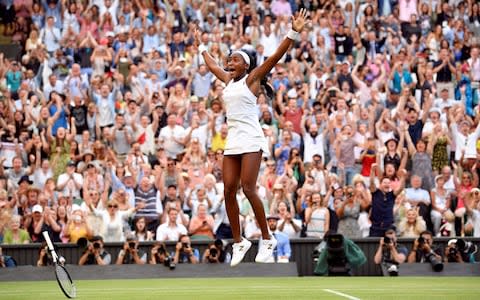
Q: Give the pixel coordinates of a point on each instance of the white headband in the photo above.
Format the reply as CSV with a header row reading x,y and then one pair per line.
x,y
245,56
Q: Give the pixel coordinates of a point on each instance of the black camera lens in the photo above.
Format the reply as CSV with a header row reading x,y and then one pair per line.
x,y
96,245
421,240
131,245
387,240
185,245
213,252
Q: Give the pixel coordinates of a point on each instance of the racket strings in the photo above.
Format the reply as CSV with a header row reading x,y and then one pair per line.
x,y
65,281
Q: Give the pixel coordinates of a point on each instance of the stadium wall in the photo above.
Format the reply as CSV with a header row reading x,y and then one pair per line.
x,y
302,250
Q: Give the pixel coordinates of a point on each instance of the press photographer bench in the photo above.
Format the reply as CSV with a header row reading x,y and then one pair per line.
x,y
31,273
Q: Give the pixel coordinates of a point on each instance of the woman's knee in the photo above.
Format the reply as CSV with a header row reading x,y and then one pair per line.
x,y
249,190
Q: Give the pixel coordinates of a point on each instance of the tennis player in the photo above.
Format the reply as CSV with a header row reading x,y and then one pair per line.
x,y
245,141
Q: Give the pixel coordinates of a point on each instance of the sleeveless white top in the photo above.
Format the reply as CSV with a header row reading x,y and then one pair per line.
x,y
244,132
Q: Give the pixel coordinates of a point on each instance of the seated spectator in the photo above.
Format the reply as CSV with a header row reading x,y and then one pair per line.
x,y
184,253
140,230
441,202
215,253
417,197
423,247
287,223
130,254
95,254
283,251
472,226
412,225
13,234
77,226
390,254
171,230
201,225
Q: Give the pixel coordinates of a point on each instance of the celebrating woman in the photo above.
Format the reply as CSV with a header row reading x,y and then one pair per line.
x,y
245,140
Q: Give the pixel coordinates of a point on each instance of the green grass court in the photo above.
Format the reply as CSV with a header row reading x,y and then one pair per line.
x,y
256,288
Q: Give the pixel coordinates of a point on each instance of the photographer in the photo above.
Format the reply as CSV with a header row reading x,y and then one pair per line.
x,y
184,253
130,254
215,253
389,253
94,254
460,251
6,261
160,255
424,251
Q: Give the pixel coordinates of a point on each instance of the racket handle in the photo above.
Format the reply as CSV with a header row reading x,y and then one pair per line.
x,y
47,239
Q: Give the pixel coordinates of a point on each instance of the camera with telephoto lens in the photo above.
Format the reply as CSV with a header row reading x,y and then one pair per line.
x,y
421,242
387,240
96,245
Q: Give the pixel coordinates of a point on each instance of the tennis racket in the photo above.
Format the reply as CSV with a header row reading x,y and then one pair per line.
x,y
63,278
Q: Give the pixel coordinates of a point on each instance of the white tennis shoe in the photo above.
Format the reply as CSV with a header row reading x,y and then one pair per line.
x,y
265,250
239,250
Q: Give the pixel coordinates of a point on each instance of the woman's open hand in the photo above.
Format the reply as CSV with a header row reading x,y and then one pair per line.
x,y
300,20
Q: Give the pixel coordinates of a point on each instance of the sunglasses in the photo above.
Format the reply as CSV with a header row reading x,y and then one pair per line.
x,y
112,206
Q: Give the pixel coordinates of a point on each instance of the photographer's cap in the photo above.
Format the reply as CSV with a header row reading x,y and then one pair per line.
x,y
451,242
131,237
273,217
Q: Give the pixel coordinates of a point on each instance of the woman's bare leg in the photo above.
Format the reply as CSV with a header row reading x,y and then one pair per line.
x,y
231,180
249,173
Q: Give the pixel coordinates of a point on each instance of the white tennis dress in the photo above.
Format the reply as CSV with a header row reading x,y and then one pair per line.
x,y
244,132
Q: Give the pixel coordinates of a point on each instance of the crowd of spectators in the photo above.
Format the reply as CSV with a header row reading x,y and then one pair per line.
x,y
111,125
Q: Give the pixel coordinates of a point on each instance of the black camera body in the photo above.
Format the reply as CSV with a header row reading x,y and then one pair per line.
x,y
96,245
387,240
132,245
213,252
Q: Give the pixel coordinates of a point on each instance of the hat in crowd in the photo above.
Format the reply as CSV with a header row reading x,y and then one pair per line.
x,y
392,139
159,104
182,58
131,237
76,207
346,62
184,175
274,217
127,174
110,34
71,163
37,208
277,186
435,109
25,178
265,126
91,165
193,99
88,152
292,93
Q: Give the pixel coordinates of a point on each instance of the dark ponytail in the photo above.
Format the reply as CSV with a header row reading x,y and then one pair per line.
x,y
267,87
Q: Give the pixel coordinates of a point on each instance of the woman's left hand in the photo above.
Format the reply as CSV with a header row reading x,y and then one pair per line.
x,y
299,21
